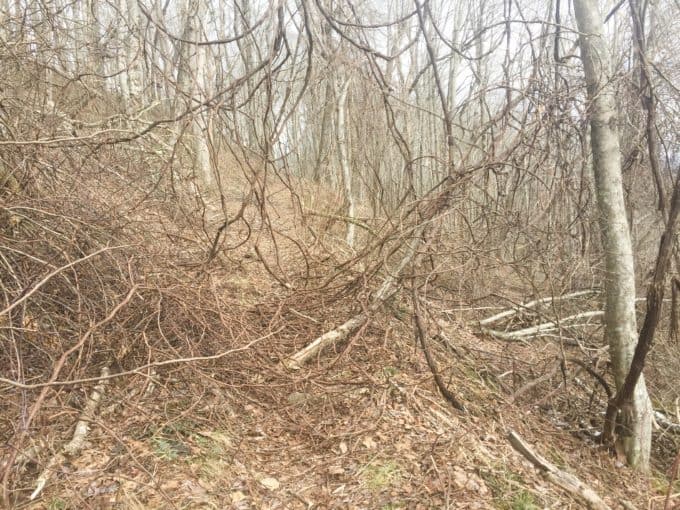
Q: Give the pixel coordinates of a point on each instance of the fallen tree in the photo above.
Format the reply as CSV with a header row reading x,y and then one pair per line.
x,y
532,304
561,478
77,442
386,291
424,218
544,327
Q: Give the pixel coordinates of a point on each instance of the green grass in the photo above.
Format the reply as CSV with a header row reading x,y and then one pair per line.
x,y
390,371
378,475
57,504
214,458
523,501
169,449
392,506
508,491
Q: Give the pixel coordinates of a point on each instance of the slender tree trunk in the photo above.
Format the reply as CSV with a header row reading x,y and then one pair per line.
x,y
135,68
94,39
343,154
455,58
247,51
159,54
189,86
321,149
648,99
620,323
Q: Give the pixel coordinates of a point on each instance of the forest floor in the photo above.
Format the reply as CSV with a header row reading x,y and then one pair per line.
x,y
361,427
365,429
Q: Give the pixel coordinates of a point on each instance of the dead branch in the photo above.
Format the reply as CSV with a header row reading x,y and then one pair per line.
x,y
523,306
655,295
329,338
541,328
668,425
32,290
535,382
593,374
387,290
562,479
420,333
35,408
138,370
77,442
671,478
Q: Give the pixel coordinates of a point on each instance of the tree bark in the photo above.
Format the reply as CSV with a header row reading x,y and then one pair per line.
x,y
561,478
343,154
189,72
620,321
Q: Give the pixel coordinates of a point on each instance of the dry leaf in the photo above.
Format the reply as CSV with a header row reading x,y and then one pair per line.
x,y
218,437
369,443
270,483
237,497
469,481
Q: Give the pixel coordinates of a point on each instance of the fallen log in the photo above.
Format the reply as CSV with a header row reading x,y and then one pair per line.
x,y
541,328
330,337
553,474
664,421
524,306
426,211
77,442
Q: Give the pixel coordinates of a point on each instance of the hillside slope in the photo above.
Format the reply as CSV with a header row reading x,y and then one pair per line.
x,y
206,415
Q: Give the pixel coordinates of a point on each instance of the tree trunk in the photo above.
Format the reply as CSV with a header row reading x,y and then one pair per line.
x,y
620,322
343,153
189,84
135,69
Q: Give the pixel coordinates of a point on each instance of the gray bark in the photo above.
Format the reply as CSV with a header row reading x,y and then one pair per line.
x,y
620,321
189,74
343,154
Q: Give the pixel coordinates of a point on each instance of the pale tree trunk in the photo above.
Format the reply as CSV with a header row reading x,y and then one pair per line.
x,y
134,58
189,73
455,58
5,18
620,322
45,21
321,144
96,59
343,154
247,126
121,54
481,75
159,54
327,115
